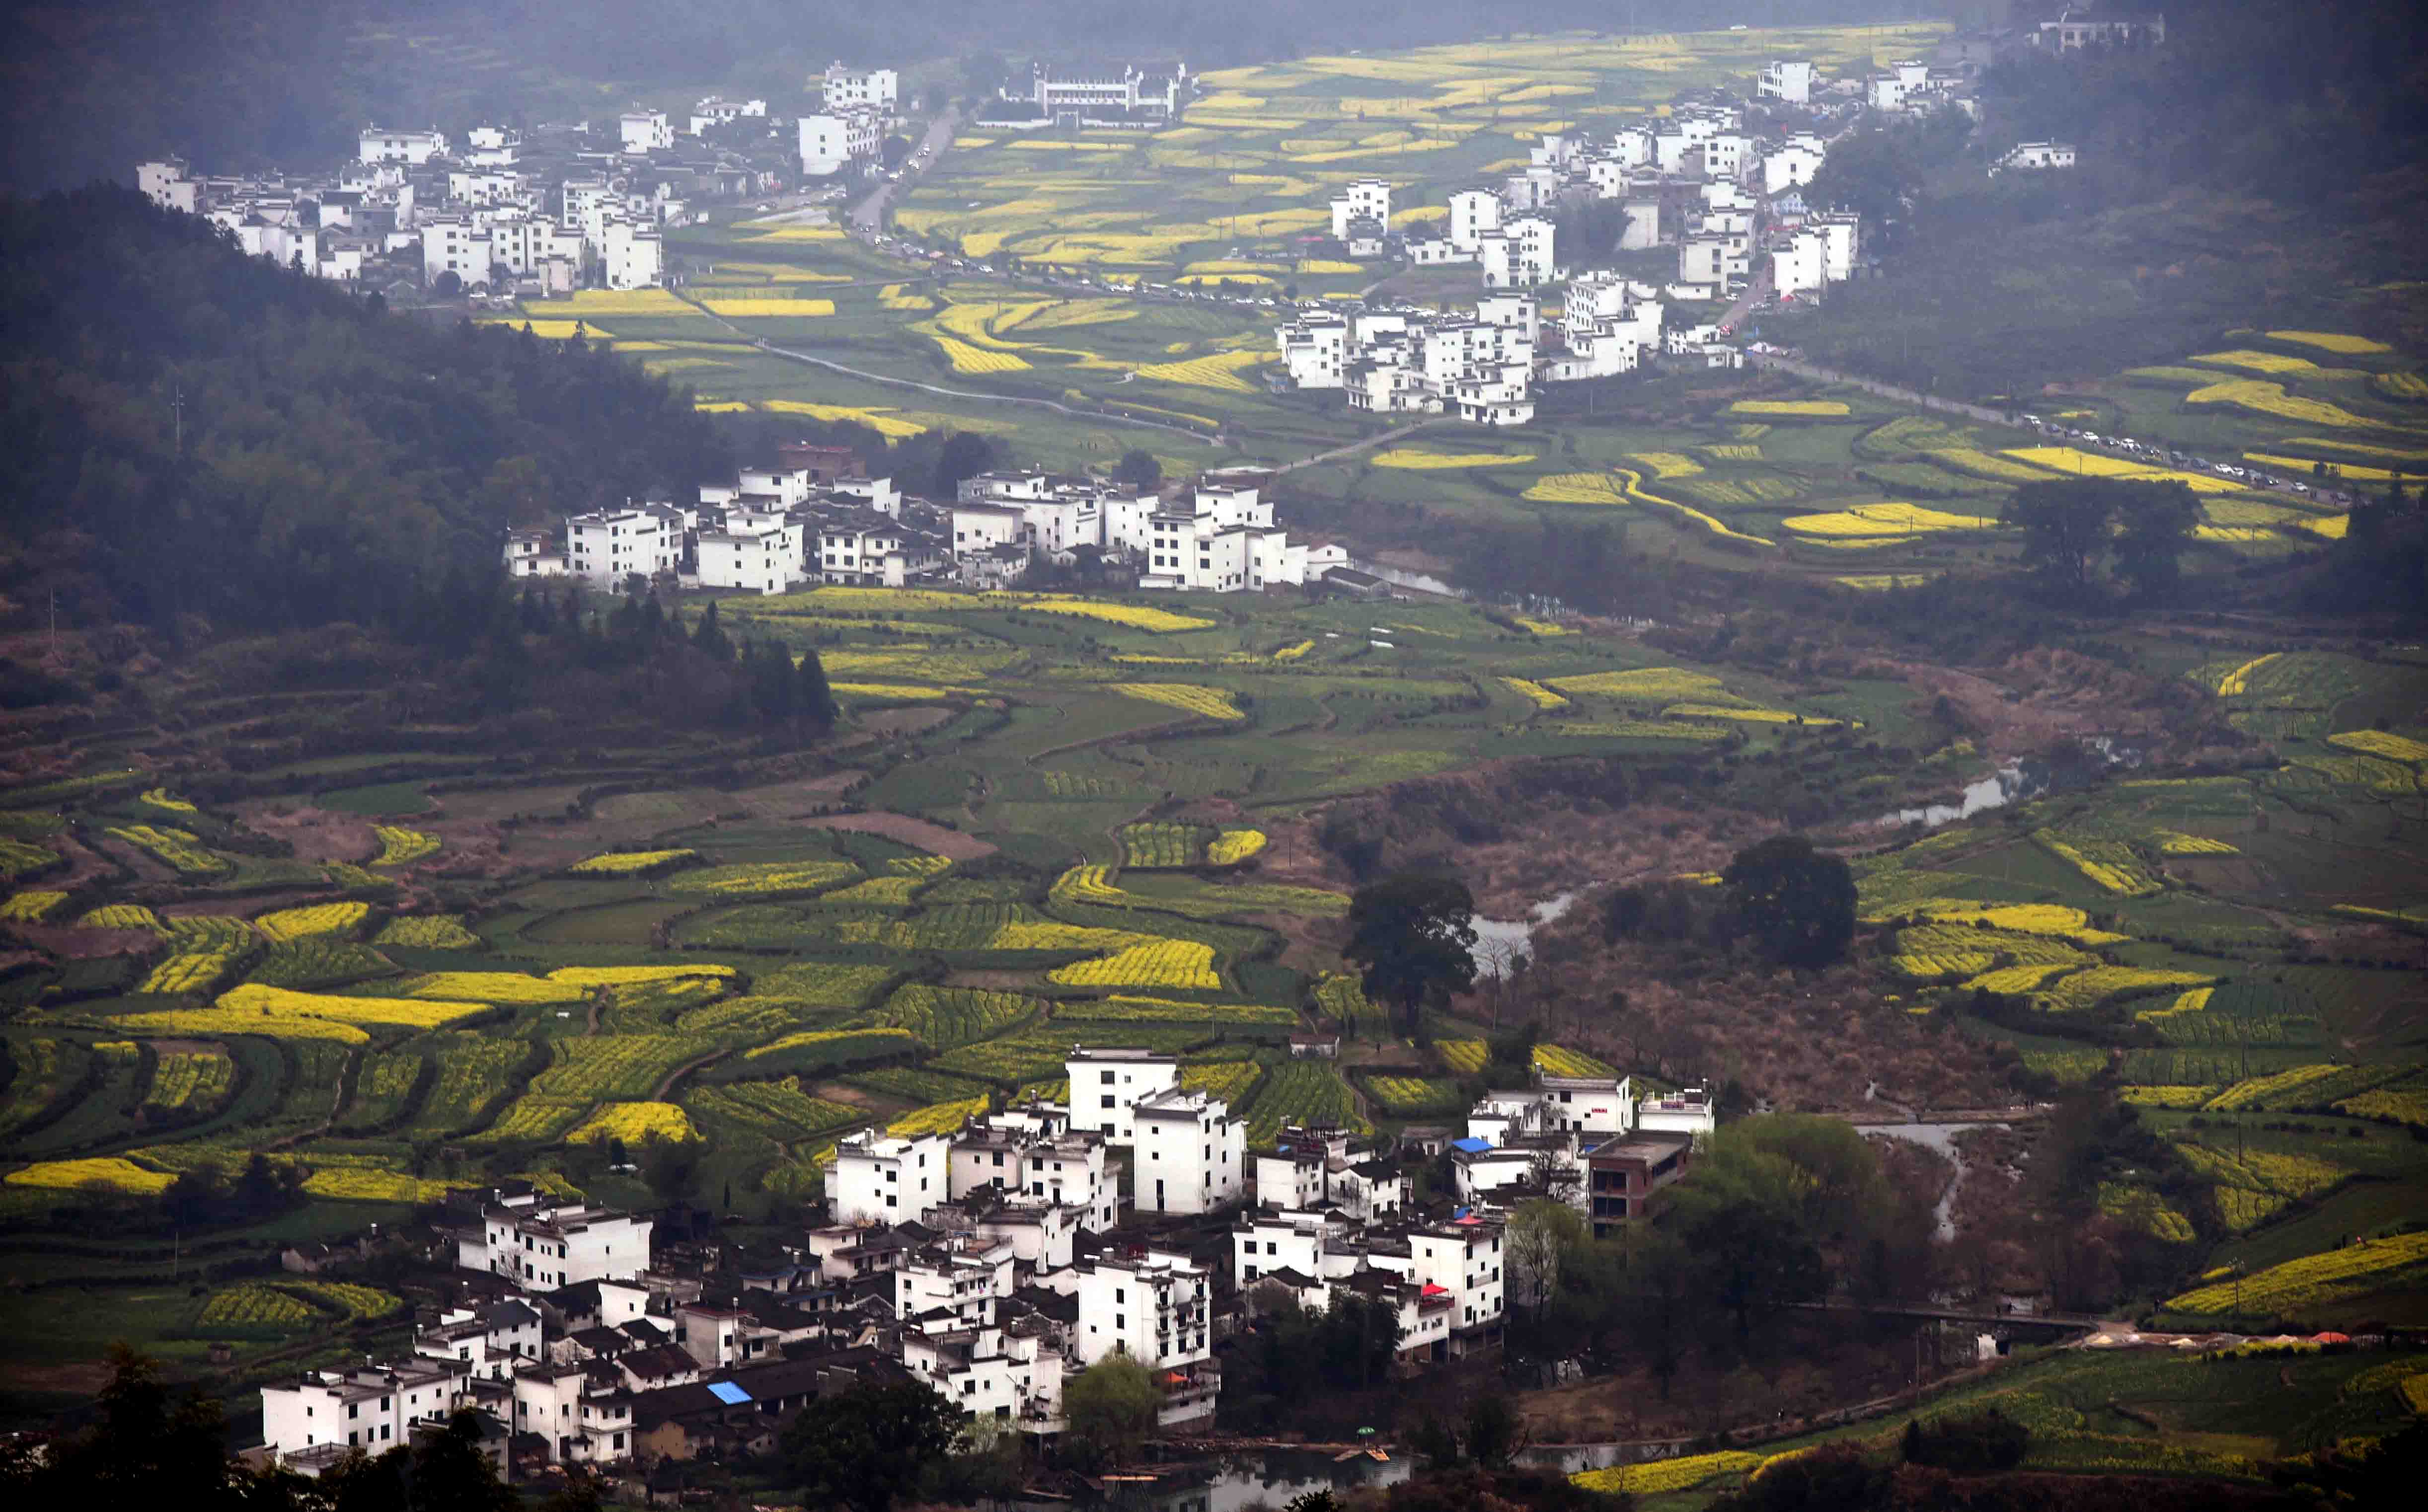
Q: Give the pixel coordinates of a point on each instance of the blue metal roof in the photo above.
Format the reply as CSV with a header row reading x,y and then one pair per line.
x,y
1470,1145
729,1393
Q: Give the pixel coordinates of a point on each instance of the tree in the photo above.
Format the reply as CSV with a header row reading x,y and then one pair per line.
x,y
2065,528
964,454
1494,1431
1742,1217
1541,1232
709,636
1414,936
1138,468
868,1446
813,701
2154,521
1797,903
1111,1406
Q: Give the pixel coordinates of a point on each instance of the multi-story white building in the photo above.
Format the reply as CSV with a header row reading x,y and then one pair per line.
x,y
1789,79
1188,1155
645,131
870,88
1689,1111
1033,1157
760,553
978,529
609,545
1519,254
380,144
1277,1239
1156,1310
1107,1084
1473,213
715,110
1315,351
833,140
541,1246
960,1278
1792,162
855,550
1368,201
878,1178
633,256
372,1408
1220,540
1796,264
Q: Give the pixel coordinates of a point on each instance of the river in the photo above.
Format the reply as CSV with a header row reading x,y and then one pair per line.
x,y
1497,940
1266,1480
1939,1137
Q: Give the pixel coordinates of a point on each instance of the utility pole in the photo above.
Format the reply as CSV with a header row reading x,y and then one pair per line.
x,y
178,414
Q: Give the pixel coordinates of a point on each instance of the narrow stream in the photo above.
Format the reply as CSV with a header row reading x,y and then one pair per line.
x,y
1939,1137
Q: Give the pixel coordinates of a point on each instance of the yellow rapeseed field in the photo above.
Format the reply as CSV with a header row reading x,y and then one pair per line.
x,y
1807,409
739,307
1885,519
30,907
2382,743
1648,683
1183,963
2349,346
2067,459
2267,398
109,1171
1426,461
2257,361
313,919
635,1123
1232,847
625,863
1136,616
1543,698
1211,703
1221,371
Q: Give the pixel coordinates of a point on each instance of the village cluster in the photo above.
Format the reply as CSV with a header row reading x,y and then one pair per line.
x,y
540,214
1727,198
987,1262
815,517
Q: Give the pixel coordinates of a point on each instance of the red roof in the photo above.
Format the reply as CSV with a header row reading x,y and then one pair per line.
x,y
1433,1291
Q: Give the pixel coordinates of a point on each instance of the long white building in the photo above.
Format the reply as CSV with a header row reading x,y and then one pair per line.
x,y
542,1246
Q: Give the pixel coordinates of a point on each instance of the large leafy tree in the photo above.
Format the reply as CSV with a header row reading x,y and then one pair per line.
x,y
866,1448
1797,903
1111,1408
2072,527
1414,937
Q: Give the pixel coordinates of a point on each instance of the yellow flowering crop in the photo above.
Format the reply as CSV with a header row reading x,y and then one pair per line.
x,y
937,1118
254,1305
1291,653
1767,717
769,306
2108,863
492,987
2087,989
1183,963
161,797
628,976
2257,1092
1136,616
2270,399
400,846
1413,459
2257,361
2312,1280
2236,683
180,849
2349,346
1808,407
1667,464
2008,980
635,1124
1656,1476
1542,698
1648,683
110,1171
2403,1106
1211,703
2176,842
1885,519
188,971
429,932
966,358
2153,1096
189,1078
2067,459
883,421
31,907
1232,847
313,919
1221,371
2382,743
761,879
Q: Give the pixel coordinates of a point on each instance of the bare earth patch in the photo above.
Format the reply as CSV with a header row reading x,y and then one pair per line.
x,y
316,834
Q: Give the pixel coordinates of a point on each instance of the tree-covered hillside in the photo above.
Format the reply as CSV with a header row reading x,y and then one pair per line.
x,y
186,431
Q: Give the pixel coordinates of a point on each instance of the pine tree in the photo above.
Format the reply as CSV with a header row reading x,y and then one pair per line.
x,y
813,701
709,636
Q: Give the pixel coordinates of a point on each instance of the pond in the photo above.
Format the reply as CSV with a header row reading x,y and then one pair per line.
x,y
1497,940
1234,1485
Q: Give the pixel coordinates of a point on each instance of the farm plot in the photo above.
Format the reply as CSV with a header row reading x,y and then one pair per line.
x,y
475,1075
948,1017
318,960
280,1013
1415,1097
761,879
1183,963
1302,1093
186,1081
1120,1009
1148,845
2316,1280
316,919
809,1051
618,1065
778,1111
428,931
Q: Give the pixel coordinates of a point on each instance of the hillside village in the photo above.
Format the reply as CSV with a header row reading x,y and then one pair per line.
x,y
1702,178
984,1261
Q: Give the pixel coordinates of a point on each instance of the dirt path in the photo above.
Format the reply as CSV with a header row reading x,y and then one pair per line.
x,y
1355,447
658,1093
951,843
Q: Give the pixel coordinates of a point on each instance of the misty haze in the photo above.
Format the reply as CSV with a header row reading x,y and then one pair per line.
x,y
1359,757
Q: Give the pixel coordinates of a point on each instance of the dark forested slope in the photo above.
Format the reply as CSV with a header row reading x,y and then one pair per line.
x,y
186,431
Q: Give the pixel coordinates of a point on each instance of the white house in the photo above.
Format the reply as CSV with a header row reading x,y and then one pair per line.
x,y
861,88
834,139
1788,79
878,1178
757,553
1107,1084
1689,1111
1792,162
1463,1259
1156,1310
609,545
380,144
1795,264
635,256
542,1246
645,131
1315,351
370,1408
2035,154
1188,1155
1366,201
1277,1239
1473,213
978,529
